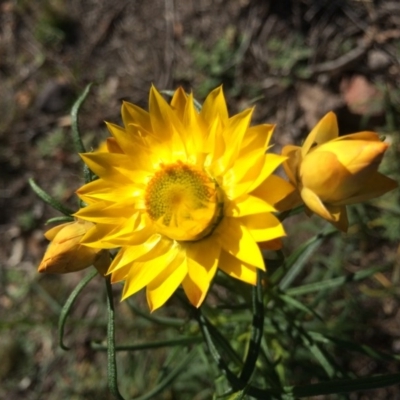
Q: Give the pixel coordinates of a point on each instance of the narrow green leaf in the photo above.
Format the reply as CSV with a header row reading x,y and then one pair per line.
x,y
68,305
151,345
222,342
335,282
59,219
297,304
170,377
324,358
76,136
355,347
295,263
236,383
49,199
111,356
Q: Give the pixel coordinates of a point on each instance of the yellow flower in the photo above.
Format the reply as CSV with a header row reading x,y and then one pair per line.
x,y
330,171
183,193
66,254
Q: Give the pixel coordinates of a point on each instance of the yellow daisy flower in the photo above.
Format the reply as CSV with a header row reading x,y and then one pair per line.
x,y
183,193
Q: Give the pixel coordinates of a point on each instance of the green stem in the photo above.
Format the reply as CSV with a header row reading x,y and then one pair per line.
x,y
111,356
256,333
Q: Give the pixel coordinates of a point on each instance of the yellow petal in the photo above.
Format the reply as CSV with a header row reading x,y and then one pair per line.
x,y
215,107
132,253
132,114
292,164
98,190
263,227
105,213
363,136
324,175
142,273
94,237
324,131
315,204
202,260
132,144
238,179
130,232
166,124
247,205
356,155
338,170
233,133
161,288
106,165
120,274
377,185
51,233
238,269
236,239
178,102
271,163
215,143
194,132
257,137
278,192
339,214
113,146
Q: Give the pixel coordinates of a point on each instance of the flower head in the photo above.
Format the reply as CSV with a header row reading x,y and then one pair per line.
x,y
65,252
330,171
182,193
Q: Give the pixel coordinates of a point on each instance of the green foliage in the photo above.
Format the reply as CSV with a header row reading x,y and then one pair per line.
x,y
55,28
214,65
288,57
51,143
27,221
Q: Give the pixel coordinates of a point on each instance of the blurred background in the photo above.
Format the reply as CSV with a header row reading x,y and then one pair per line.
x,y
294,60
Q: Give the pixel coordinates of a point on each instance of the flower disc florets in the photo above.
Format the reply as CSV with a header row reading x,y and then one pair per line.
x,y
182,200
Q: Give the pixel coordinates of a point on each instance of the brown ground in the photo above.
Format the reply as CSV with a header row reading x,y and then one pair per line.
x,y
295,60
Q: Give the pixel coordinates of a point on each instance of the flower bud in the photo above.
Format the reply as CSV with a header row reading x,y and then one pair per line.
x,y
330,171
65,253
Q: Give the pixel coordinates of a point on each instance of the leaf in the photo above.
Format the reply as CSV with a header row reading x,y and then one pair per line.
x,y
49,199
294,264
68,305
80,148
334,282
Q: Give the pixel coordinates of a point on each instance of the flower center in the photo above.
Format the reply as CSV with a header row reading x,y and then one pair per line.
x,y
183,201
